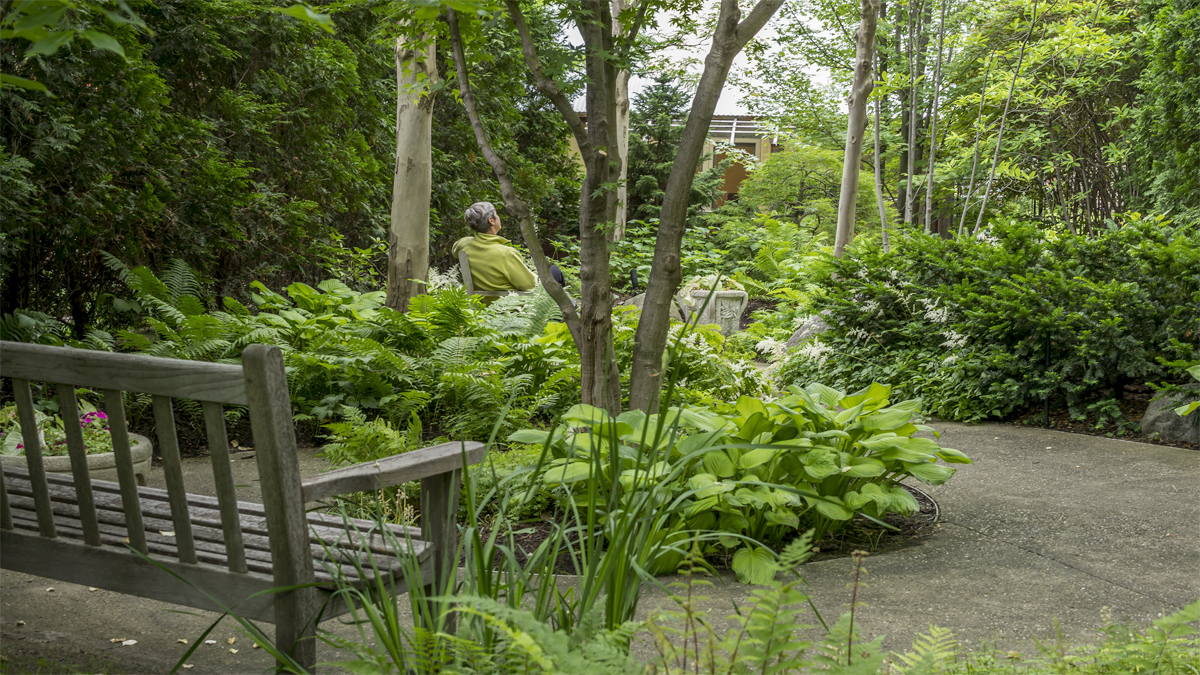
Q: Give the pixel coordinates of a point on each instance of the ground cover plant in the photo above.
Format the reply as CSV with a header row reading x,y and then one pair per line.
x,y
983,327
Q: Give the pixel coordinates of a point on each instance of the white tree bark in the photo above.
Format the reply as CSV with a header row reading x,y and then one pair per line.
x,y
408,241
937,90
860,90
622,124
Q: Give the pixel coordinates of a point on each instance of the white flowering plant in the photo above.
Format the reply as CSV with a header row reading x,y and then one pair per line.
x,y
968,324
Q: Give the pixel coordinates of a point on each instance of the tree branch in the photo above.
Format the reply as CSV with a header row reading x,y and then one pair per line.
x,y
515,206
545,83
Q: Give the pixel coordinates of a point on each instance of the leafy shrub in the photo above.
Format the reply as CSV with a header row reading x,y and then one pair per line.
x,y
964,323
743,480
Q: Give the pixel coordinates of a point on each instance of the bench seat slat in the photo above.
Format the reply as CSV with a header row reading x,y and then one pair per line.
x,y
326,538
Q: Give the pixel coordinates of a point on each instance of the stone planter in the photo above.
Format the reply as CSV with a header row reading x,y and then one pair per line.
x,y
724,309
100,467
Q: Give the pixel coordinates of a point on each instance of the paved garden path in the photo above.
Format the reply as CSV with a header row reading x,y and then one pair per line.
x,y
1044,526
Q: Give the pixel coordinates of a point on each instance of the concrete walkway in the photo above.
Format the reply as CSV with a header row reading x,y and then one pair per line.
x,y
1044,526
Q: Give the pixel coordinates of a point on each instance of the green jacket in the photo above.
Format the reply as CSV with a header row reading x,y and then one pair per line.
x,y
494,266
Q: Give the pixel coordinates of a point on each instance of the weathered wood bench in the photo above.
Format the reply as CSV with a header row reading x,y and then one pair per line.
x,y
469,284
84,531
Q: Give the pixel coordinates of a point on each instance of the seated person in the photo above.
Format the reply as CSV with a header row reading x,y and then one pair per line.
x,y
494,265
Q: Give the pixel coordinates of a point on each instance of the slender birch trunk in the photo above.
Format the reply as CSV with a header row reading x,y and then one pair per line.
x,y
937,90
883,234
620,213
860,91
408,238
1003,117
978,134
914,105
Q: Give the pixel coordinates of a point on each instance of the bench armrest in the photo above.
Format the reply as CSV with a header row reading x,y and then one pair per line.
x,y
392,470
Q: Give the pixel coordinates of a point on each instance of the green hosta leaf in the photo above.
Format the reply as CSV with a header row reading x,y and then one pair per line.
x,y
585,415
756,457
747,407
634,419
826,395
732,522
715,489
530,436
700,506
844,417
951,456
728,541
822,470
888,419
782,498
872,398
754,565
570,472
1187,408
695,442
830,507
701,480
702,522
864,467
783,517
934,474
718,464
753,427
749,497
903,501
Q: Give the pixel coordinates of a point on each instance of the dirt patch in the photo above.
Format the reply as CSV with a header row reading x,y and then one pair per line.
x,y
754,305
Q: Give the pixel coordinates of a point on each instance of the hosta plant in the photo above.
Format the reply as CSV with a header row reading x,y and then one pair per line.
x,y
745,480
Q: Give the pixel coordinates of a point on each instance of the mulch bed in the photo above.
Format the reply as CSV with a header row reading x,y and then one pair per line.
x,y
861,534
1133,406
754,305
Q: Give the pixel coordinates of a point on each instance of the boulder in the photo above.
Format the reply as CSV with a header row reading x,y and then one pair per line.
x,y
1161,418
637,301
815,325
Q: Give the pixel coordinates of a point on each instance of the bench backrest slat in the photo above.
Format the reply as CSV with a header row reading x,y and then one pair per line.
x,y
6,522
195,380
168,444
68,407
465,267
33,451
114,407
218,448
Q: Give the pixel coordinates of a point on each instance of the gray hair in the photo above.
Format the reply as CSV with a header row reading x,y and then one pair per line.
x,y
478,215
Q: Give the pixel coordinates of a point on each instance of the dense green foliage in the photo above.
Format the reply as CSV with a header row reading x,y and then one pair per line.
x,y
1166,131
748,478
655,128
248,144
964,324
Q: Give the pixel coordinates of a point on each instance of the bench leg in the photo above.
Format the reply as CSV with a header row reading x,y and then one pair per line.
x,y
439,516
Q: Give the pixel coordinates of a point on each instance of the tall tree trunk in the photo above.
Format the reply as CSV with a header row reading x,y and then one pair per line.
x,y
904,96
729,38
914,105
1004,117
408,239
883,234
860,91
978,134
620,213
937,91
881,69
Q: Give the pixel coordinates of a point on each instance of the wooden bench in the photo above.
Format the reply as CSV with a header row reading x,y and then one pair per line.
x,y
84,531
469,285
